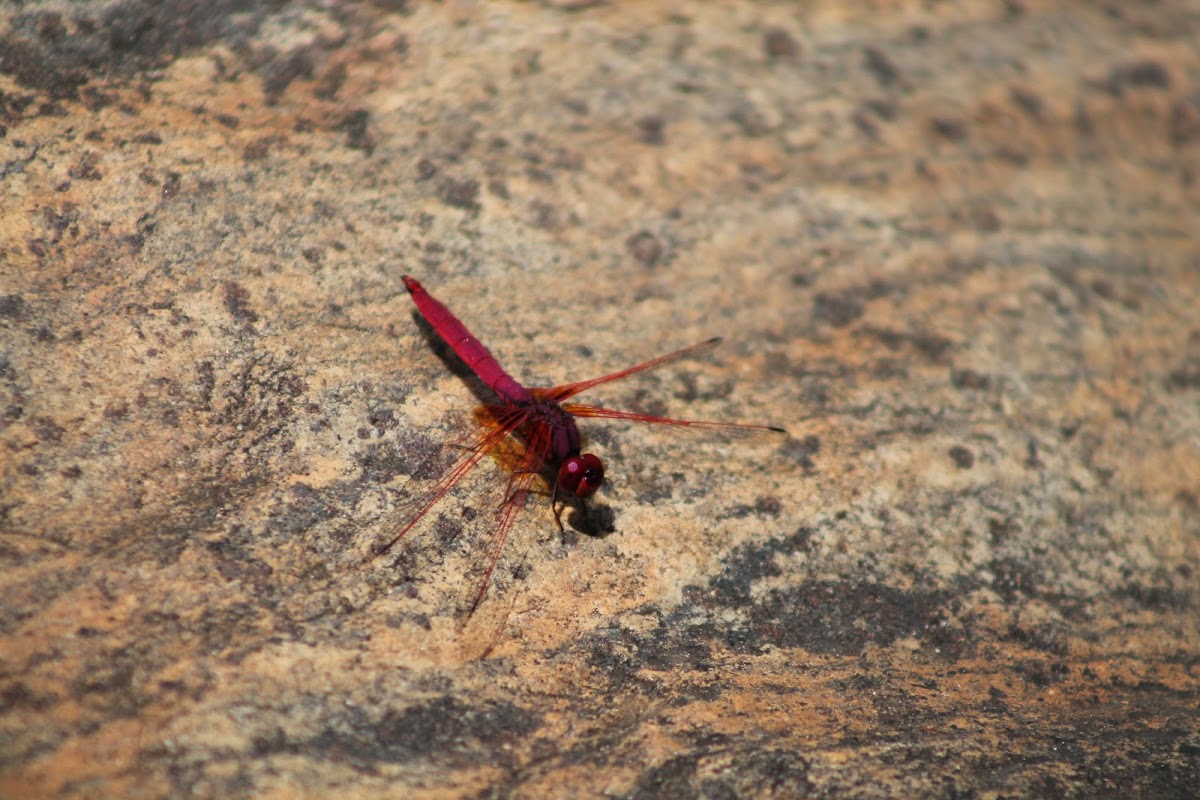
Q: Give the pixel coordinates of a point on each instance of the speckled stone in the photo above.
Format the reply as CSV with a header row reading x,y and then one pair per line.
x,y
951,247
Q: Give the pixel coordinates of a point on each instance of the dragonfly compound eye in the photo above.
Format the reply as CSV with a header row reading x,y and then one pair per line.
x,y
581,475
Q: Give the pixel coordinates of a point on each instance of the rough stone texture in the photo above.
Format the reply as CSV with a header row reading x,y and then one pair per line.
x,y
952,248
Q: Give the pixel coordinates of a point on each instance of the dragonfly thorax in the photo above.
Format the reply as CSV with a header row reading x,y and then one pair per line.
x,y
552,427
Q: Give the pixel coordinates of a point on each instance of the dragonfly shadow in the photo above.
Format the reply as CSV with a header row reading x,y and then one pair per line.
x,y
594,521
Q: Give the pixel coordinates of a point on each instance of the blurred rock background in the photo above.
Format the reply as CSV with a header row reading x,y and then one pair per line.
x,y
952,248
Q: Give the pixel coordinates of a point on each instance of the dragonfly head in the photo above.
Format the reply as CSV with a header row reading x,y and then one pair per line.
x,y
581,475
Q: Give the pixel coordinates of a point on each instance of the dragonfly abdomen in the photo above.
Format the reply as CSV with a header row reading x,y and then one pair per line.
x,y
472,352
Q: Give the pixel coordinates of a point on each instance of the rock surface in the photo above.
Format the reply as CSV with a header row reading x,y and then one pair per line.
x,y
952,248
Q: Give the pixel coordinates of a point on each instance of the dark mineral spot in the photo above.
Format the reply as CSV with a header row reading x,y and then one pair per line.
x,y
12,306
778,44
460,193
881,66
237,302
1145,73
645,247
962,457
949,128
652,129
836,310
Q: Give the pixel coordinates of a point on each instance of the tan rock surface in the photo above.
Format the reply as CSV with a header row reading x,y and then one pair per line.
x,y
952,248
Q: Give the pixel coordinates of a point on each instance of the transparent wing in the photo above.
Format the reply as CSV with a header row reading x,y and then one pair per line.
x,y
568,390
475,449
725,428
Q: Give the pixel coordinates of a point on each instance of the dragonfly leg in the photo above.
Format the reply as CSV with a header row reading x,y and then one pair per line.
x,y
557,508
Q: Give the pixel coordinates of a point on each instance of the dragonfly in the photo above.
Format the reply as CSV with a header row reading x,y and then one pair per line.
x,y
540,419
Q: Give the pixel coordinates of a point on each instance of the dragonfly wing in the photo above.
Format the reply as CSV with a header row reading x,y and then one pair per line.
x,y
519,487
520,484
567,390
732,428
483,442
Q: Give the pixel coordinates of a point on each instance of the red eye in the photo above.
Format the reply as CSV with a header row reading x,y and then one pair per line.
x,y
581,475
